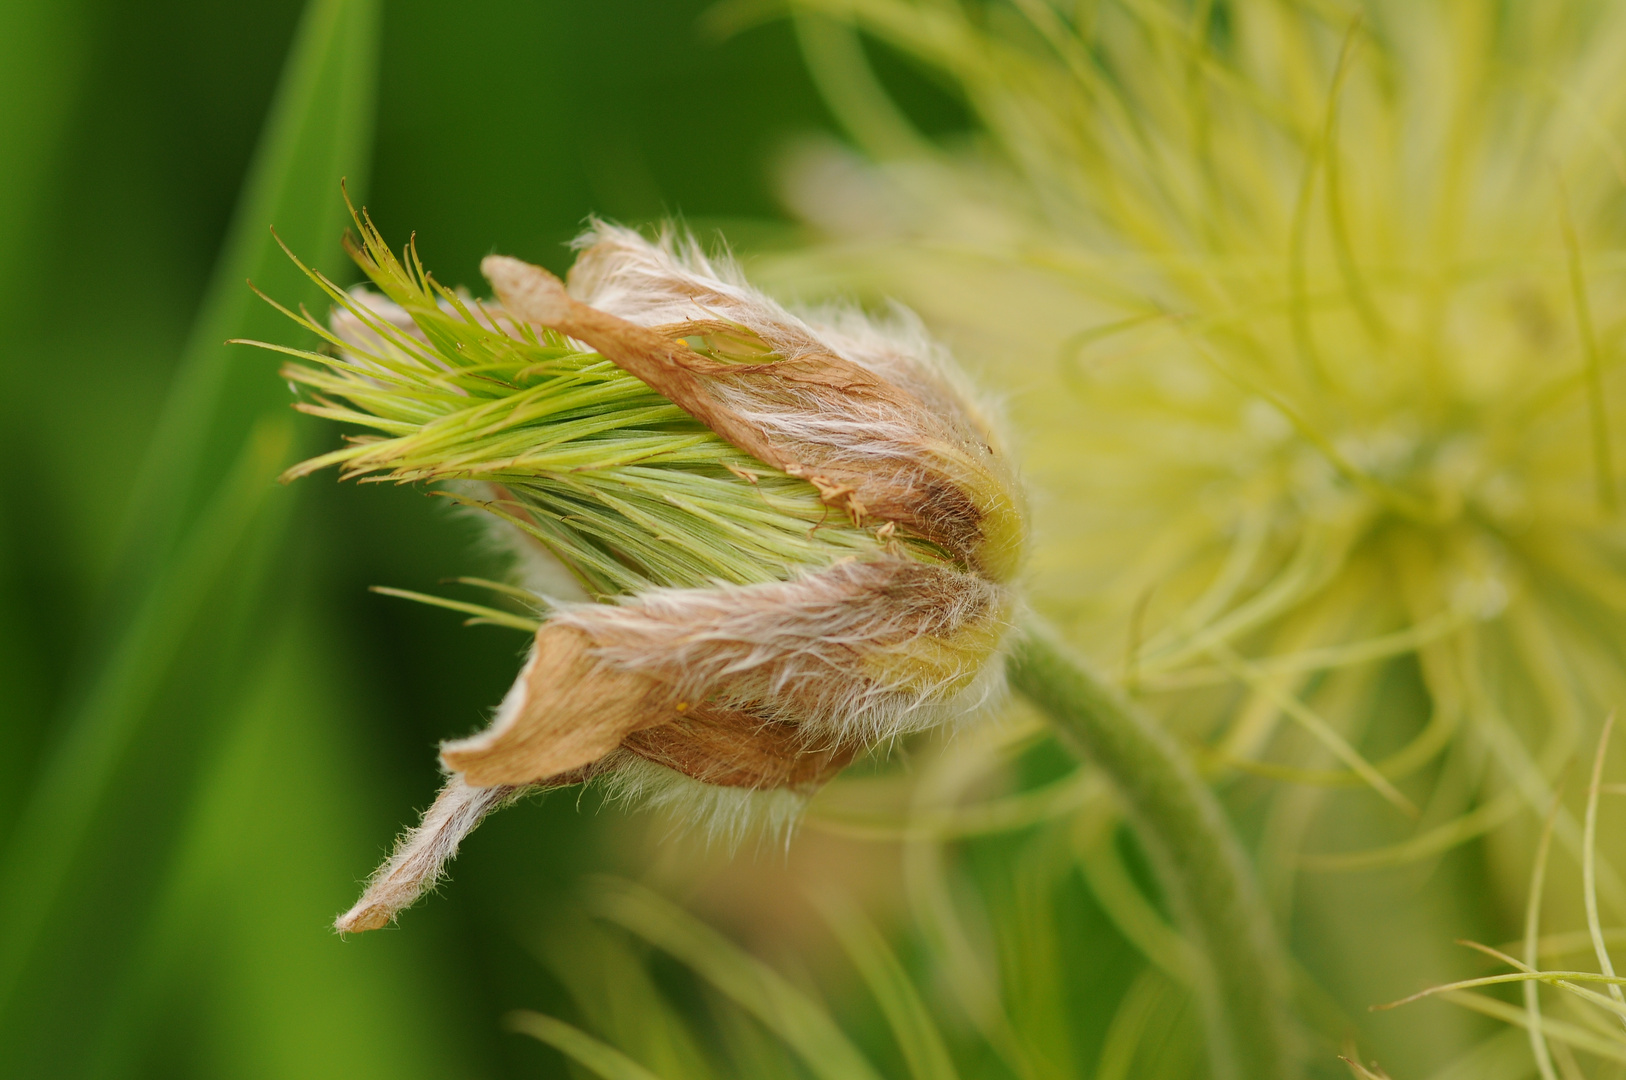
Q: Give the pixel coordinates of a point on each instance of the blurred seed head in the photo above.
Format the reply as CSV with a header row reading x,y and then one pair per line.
x,y
1309,317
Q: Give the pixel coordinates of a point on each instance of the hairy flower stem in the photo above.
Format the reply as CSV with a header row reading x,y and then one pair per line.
x,y
1242,981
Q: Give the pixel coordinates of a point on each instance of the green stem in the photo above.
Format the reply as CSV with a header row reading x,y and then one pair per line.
x,y
1200,865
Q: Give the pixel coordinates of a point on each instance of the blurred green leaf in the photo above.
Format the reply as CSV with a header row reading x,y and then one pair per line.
x,y
41,64
239,943
604,1060
66,800
912,1025
204,524
609,982
319,132
750,1047
44,58
752,985
1154,1035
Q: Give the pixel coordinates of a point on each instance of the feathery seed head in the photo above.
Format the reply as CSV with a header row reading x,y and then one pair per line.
x,y
1310,315
794,538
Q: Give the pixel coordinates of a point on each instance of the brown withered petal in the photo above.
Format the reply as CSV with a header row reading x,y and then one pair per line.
x,y
863,649
856,653
874,449
567,709
735,748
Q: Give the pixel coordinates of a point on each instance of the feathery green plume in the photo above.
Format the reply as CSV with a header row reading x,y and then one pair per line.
x,y
626,489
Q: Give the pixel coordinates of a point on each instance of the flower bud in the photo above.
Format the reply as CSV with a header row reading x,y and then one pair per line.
x,y
797,537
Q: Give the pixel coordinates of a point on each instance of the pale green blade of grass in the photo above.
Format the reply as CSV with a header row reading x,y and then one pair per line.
x,y
1571,942
275,832
1153,1034
63,805
1005,813
612,987
750,1048
1535,977
318,133
836,61
602,1059
1323,658
482,615
189,515
1121,899
906,1014
1556,1030
1599,1001
1499,810
1526,770
1589,863
1532,935
1499,1057
1565,1057
1554,977
1597,411
1021,914
1136,1012
783,1009
975,986
1312,722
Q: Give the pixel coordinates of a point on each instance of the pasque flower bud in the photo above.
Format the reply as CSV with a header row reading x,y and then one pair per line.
x,y
794,535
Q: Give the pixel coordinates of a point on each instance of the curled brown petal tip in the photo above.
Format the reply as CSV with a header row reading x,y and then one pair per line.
x,y
565,711
529,291
421,854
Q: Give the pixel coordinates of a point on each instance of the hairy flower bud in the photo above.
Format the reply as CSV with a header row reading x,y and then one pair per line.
x,y
797,537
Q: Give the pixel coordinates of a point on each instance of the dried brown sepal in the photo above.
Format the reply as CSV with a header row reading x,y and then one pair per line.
x,y
770,674
861,650
874,450
566,710
734,748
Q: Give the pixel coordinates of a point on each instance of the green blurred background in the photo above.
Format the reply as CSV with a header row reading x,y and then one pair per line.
x,y
210,730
